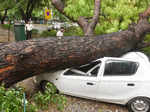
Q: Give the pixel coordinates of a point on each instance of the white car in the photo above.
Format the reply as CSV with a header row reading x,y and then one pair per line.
x,y
124,80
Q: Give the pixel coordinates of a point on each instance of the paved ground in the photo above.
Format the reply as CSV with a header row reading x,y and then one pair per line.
x,y
6,35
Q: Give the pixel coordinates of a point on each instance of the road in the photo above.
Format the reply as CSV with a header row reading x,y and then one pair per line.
x,y
40,27
6,35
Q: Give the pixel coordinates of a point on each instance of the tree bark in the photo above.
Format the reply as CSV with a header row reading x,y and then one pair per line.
x,y
20,60
27,14
4,17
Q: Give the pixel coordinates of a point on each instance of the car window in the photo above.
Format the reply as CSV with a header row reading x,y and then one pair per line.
x,y
120,68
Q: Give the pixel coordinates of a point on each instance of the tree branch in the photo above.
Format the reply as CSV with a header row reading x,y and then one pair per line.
x,y
87,27
4,16
94,21
28,6
145,14
23,14
83,22
143,45
31,8
5,9
96,14
59,5
21,11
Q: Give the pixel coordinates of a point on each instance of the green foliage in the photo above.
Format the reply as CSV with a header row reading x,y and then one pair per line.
x,y
118,14
147,49
10,5
11,100
70,31
6,26
50,96
77,8
14,7
6,4
115,15
35,31
48,33
73,31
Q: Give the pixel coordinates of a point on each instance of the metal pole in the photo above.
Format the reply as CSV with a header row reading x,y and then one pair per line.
x,y
24,99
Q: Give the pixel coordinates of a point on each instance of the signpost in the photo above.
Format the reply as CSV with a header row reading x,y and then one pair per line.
x,y
48,14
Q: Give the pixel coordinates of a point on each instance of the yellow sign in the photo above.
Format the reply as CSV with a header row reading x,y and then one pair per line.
x,y
48,14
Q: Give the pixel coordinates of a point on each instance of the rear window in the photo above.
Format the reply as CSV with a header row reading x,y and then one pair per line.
x,y
120,68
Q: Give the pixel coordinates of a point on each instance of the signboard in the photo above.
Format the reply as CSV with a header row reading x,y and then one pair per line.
x,y
48,14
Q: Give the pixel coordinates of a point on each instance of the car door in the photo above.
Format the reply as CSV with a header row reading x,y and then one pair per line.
x,y
81,85
118,80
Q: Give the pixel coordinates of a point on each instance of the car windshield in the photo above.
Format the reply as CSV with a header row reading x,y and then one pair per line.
x,y
83,69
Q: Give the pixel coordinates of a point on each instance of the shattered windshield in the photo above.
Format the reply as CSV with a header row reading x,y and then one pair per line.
x,y
85,68
82,70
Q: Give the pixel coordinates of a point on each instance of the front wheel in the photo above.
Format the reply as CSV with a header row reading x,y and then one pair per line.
x,y
139,104
43,85
50,86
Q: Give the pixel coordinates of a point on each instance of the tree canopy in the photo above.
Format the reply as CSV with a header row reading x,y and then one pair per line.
x,y
22,9
114,14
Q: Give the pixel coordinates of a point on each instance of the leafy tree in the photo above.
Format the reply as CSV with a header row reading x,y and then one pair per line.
x,y
26,7
5,6
114,14
80,11
21,9
119,14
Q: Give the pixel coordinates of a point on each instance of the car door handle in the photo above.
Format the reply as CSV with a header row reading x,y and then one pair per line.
x,y
90,83
130,84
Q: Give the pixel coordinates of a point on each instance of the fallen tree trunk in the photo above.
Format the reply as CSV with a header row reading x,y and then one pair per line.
x,y
20,60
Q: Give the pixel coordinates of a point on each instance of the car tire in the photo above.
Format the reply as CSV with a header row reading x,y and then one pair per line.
x,y
43,85
139,104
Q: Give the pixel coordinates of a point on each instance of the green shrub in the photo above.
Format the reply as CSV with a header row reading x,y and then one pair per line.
x,y
6,26
35,31
11,100
50,96
73,31
48,33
